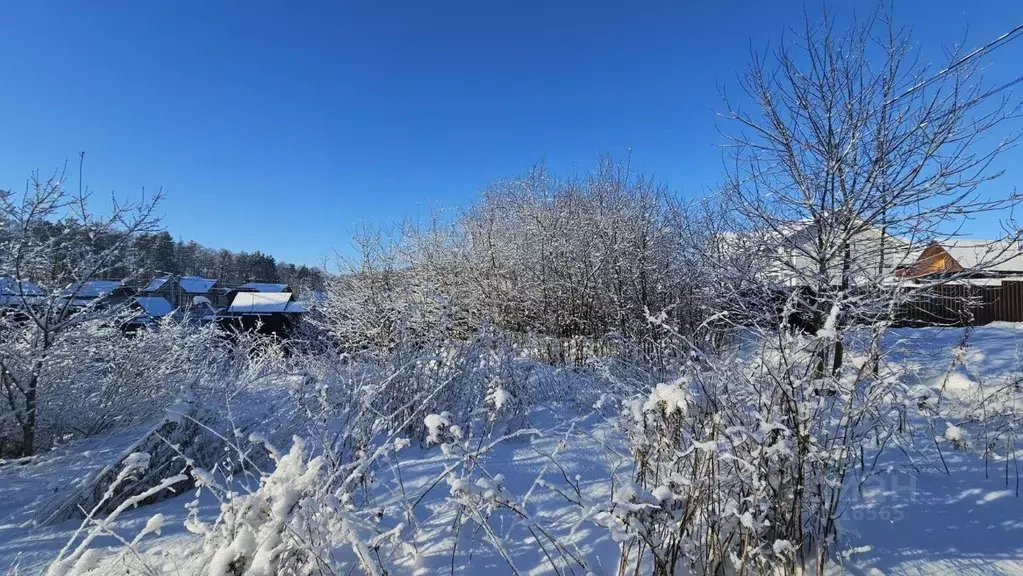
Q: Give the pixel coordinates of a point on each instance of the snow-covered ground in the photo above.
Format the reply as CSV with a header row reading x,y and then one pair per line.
x,y
916,518
913,518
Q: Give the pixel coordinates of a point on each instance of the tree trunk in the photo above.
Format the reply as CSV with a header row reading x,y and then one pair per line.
x,y
28,428
839,347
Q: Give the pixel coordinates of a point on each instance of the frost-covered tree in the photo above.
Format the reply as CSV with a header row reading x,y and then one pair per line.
x,y
569,258
847,156
53,238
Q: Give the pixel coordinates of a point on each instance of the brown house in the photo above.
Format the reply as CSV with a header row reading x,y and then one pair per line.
x,y
976,282
969,258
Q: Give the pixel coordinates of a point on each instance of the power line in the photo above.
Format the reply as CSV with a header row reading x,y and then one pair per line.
x,y
994,91
985,49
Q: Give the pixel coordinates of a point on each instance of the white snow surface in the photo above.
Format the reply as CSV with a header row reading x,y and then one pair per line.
x,y
155,306
912,519
92,288
261,303
263,287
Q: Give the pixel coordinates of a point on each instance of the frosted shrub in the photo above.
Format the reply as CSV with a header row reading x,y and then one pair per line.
x,y
286,526
484,376
97,380
740,464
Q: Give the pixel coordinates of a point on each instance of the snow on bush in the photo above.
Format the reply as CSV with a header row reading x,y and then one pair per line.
x,y
278,528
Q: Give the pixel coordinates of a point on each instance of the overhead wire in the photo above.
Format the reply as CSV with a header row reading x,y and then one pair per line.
x,y
985,49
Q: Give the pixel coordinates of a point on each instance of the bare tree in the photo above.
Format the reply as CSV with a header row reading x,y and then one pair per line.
x,y
849,154
39,245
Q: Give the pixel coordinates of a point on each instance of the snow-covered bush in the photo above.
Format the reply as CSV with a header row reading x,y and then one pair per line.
x,y
291,523
96,380
740,459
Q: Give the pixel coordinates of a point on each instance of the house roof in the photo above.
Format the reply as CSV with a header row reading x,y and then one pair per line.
x,y
92,288
196,285
11,291
987,255
155,306
264,303
11,287
264,287
156,283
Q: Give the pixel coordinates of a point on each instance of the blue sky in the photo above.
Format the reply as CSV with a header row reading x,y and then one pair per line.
x,y
280,126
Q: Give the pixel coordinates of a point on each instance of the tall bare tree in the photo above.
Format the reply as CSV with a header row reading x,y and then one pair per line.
x,y
847,154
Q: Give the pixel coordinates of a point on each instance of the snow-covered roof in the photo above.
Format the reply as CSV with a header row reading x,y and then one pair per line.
x,y
15,293
196,285
986,255
92,288
264,303
264,287
985,281
11,287
156,283
155,306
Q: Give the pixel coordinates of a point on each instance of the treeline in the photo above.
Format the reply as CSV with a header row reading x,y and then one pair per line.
x,y
142,256
156,253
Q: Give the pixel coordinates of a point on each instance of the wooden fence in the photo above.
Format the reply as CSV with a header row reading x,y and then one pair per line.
x,y
960,305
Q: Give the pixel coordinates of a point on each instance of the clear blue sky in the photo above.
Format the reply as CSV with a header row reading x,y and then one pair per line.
x,y
278,126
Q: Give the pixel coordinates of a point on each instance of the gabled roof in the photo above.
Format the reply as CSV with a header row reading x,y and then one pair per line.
x,y
264,303
196,285
92,288
155,306
264,287
156,283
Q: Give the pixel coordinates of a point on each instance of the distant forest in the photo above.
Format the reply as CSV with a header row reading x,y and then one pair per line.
x,y
156,253
148,255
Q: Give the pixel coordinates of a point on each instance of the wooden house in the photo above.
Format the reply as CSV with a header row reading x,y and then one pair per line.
x,y
990,259
196,290
165,287
263,287
182,291
97,293
264,312
968,282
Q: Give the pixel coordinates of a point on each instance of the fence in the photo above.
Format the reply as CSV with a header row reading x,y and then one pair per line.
x,y
962,304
